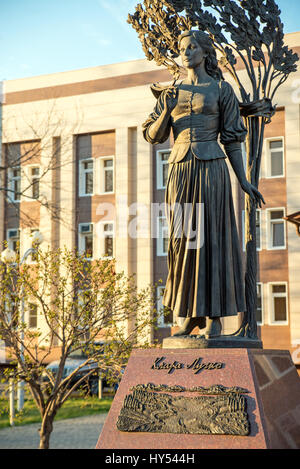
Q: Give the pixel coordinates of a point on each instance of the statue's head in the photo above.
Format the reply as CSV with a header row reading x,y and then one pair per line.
x,y
200,47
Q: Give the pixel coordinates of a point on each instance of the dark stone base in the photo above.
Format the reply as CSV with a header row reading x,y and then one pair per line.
x,y
201,342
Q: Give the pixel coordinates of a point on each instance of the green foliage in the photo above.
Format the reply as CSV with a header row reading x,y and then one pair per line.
x,y
80,305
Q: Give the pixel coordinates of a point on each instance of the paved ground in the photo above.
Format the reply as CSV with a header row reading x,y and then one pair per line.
x,y
79,433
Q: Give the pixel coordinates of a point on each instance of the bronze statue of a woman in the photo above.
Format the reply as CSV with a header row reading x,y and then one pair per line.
x,y
206,280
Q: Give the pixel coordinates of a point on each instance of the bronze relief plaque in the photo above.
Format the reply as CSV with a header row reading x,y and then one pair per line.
x,y
216,410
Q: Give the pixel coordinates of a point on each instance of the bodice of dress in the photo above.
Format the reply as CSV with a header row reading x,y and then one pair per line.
x,y
203,113
196,117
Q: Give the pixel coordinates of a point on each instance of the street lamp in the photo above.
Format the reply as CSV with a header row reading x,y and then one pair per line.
x,y
8,256
37,238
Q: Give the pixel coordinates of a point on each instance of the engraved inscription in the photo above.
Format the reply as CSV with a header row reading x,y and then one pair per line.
x,y
196,366
159,364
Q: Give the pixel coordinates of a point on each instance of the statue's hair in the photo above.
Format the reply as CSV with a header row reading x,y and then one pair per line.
x,y
211,62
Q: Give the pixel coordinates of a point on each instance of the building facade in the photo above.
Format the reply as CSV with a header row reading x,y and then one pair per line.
x,y
89,180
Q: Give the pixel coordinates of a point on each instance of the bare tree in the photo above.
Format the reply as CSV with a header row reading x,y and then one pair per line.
x,y
249,32
48,134
78,302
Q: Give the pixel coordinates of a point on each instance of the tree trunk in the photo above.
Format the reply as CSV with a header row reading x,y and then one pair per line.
x,y
251,274
248,327
46,430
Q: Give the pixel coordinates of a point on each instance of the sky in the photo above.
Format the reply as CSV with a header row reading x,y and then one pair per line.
x,y
39,37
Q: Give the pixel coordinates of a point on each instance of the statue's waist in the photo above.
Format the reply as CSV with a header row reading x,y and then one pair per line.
x,y
203,150
196,128
195,134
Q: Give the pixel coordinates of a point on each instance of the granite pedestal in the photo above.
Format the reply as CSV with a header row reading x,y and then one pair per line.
x,y
269,376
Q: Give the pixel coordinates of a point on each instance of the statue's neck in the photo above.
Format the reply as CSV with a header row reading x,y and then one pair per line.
x,y
197,75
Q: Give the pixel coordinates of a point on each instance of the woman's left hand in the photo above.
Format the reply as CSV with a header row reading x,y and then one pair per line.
x,y
253,193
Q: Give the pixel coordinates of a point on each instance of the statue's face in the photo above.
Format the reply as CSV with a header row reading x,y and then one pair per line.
x,y
191,52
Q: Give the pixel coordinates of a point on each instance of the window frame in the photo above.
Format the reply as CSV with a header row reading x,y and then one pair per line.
x,y
268,152
8,238
81,236
272,295
32,178
102,171
102,238
82,173
269,228
159,168
160,240
10,184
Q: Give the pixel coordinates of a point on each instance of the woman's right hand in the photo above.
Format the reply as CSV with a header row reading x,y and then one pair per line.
x,y
170,98
254,193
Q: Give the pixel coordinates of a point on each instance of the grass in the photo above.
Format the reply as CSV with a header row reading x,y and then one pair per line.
x,y
72,408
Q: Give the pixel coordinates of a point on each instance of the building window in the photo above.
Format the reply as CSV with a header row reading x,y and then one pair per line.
x,y
34,255
275,157
35,182
107,240
164,315
108,230
13,239
108,168
258,230
14,184
105,175
162,239
85,240
86,177
259,309
278,295
32,316
162,167
276,229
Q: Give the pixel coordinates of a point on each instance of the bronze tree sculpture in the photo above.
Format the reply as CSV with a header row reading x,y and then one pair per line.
x,y
249,32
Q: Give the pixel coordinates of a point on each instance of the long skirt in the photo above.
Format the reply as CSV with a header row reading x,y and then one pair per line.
x,y
205,275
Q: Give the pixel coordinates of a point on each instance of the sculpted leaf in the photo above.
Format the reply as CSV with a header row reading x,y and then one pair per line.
x,y
178,5
230,56
267,36
258,55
